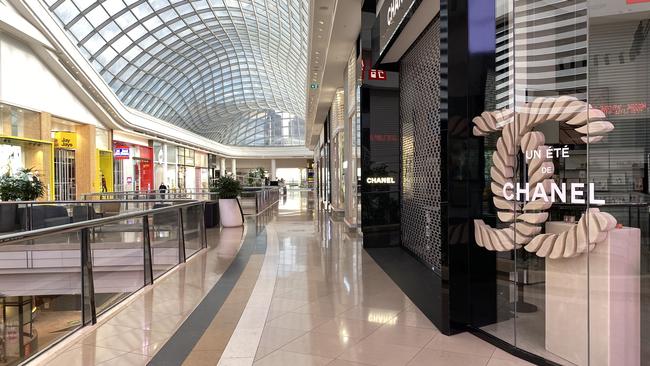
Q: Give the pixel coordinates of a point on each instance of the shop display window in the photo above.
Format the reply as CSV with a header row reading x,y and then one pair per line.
x,y
565,141
102,139
19,122
17,154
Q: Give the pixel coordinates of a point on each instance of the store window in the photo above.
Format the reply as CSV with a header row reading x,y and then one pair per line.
x,y
202,172
19,122
186,169
565,137
17,154
134,168
102,139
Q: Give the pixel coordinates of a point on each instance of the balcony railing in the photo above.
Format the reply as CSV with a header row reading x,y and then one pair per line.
x,y
56,280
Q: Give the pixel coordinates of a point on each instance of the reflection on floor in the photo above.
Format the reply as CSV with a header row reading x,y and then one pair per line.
x,y
313,298
333,305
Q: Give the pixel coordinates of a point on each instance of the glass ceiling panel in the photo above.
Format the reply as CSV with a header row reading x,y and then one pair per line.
x,y
230,70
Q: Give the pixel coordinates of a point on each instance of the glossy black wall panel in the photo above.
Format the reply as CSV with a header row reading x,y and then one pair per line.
x,y
380,161
471,270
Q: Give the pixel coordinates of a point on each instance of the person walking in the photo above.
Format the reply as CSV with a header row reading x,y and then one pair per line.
x,y
162,189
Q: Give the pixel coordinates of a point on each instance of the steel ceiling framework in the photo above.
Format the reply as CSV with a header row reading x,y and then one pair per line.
x,y
230,70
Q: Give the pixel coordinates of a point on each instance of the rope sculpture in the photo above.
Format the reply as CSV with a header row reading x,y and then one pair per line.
x,y
527,218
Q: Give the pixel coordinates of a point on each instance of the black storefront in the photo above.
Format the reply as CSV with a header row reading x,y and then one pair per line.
x,y
468,72
441,88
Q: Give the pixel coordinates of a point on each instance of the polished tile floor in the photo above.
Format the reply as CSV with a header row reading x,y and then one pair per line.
x,y
333,305
318,299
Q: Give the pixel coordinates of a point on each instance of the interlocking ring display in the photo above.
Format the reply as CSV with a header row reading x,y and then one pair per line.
x,y
526,218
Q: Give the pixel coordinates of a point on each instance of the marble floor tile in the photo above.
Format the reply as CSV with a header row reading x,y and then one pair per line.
x,y
402,335
284,358
379,354
128,359
462,343
434,357
274,338
297,321
320,344
84,355
414,318
347,327
501,357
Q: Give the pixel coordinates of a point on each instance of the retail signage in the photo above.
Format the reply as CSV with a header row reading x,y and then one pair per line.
x,y
623,109
391,16
65,140
380,180
372,74
383,137
377,74
524,207
121,152
549,192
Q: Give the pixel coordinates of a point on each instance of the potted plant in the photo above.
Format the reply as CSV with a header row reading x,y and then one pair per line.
x,y
230,213
22,186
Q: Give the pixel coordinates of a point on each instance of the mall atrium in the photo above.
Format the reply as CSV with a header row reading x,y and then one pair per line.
x,y
325,182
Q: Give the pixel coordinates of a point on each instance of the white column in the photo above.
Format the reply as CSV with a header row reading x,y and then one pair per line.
x,y
222,167
273,177
234,167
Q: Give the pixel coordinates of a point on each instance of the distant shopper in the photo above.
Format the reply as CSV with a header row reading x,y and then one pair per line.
x,y
104,187
282,184
162,189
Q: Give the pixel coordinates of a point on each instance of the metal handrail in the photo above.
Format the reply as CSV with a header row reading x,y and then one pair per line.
x,y
70,202
75,226
88,307
171,192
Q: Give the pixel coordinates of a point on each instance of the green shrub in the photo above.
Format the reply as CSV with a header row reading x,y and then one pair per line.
x,y
22,186
227,187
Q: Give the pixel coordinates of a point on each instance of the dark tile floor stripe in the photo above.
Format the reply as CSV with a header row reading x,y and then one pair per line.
x,y
179,346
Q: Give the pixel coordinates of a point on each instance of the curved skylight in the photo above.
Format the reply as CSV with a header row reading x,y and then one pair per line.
x,y
230,70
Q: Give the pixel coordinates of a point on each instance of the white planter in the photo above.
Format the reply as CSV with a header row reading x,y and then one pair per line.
x,y
230,213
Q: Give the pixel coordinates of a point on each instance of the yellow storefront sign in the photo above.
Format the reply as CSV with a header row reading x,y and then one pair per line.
x,y
65,140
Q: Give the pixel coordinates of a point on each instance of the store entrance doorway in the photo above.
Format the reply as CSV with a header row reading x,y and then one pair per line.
x,y
65,187
143,178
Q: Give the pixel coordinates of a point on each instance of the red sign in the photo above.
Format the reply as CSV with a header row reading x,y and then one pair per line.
x,y
623,109
377,74
376,137
373,74
637,1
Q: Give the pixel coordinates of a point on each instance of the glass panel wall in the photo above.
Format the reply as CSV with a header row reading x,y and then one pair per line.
x,y
566,148
41,296
617,165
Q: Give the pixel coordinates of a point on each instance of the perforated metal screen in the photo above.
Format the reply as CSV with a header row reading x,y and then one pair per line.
x,y
420,129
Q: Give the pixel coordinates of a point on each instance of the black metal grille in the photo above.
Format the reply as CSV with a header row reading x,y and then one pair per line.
x,y
420,128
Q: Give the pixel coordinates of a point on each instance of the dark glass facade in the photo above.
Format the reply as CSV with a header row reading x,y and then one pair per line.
x,y
524,187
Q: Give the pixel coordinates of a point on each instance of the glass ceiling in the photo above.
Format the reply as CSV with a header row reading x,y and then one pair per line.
x,y
230,70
